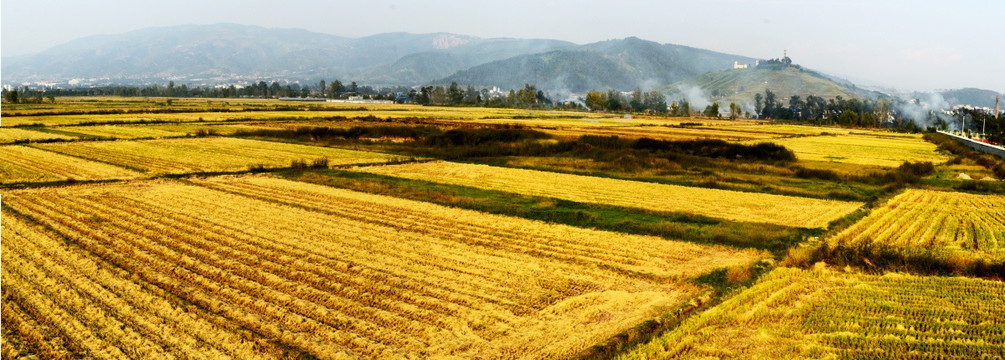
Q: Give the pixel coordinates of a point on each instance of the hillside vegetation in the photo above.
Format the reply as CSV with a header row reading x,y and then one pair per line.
x,y
740,85
617,64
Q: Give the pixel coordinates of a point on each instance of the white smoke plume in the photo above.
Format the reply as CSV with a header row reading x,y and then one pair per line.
x,y
918,110
694,96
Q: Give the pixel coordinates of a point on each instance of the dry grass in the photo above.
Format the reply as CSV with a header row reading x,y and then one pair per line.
x,y
248,267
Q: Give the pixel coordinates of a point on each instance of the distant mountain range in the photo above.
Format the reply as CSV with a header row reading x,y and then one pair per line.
x,y
226,53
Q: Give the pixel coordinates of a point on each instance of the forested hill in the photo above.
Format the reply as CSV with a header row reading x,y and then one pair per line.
x,y
614,64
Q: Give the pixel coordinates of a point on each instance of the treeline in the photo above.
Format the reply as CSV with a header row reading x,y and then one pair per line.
x,y
257,90
636,101
883,112
655,102
529,97
837,111
979,121
452,95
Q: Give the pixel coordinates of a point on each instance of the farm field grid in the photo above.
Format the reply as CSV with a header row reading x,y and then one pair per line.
x,y
252,228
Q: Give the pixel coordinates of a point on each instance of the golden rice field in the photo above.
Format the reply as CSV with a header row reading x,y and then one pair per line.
x,y
814,314
222,129
122,131
863,149
666,133
916,221
11,135
69,115
724,204
186,155
135,105
255,267
22,164
63,120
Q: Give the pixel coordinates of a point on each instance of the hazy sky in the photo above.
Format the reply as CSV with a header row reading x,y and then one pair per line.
x,y
915,45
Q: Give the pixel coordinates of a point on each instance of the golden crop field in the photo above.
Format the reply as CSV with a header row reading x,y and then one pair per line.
x,y
724,204
260,110
666,133
256,267
75,119
140,105
22,164
185,155
122,131
917,221
872,149
814,314
11,135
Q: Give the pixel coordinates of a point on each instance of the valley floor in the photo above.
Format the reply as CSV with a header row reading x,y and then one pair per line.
x,y
258,229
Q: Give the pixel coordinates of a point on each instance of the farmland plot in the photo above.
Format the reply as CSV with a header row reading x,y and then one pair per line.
x,y
22,164
961,224
176,156
725,204
872,149
10,135
792,313
195,268
122,131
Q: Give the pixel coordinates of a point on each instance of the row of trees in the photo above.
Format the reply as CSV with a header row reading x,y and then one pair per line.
x,y
816,109
26,95
261,90
452,95
636,101
906,115
527,97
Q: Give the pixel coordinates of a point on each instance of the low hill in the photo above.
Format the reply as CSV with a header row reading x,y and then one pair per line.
x,y
741,85
972,97
614,64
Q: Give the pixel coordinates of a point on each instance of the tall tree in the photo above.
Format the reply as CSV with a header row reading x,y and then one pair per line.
x,y
454,94
636,102
712,110
596,100
654,100
336,89
770,103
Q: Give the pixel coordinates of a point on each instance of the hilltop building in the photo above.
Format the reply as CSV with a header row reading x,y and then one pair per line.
x,y
737,65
